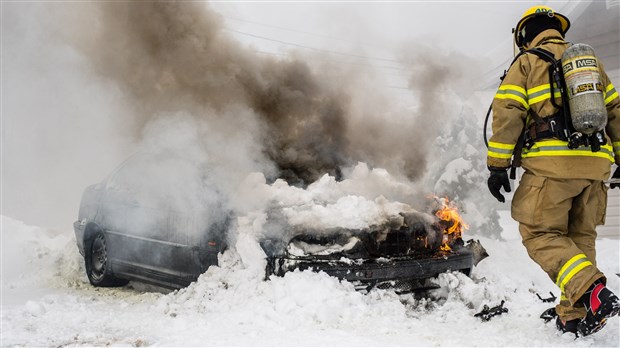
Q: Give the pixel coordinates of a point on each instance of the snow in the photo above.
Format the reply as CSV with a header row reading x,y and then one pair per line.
x,y
299,248
47,301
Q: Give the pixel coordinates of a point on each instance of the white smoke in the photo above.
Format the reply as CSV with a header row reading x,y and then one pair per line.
x,y
204,133
63,128
359,202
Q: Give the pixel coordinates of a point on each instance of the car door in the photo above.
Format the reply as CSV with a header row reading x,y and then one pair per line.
x,y
135,222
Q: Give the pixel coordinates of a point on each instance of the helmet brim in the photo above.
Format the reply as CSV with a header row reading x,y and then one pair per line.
x,y
564,24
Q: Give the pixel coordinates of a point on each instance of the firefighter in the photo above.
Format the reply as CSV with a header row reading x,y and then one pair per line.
x,y
561,197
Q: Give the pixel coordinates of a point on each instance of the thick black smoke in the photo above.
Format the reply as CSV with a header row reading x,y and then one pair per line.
x,y
89,83
174,56
177,57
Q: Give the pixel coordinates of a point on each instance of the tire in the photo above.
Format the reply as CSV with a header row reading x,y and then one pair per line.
x,y
96,262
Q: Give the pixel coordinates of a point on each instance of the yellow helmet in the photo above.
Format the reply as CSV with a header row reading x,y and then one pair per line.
x,y
537,11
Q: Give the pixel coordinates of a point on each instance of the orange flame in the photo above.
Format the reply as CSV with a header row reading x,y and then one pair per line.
x,y
449,213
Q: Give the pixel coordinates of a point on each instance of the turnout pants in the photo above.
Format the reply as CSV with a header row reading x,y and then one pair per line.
x,y
557,221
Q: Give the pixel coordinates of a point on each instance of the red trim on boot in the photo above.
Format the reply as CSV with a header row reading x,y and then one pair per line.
x,y
595,301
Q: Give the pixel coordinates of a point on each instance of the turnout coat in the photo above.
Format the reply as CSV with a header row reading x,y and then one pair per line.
x,y
526,88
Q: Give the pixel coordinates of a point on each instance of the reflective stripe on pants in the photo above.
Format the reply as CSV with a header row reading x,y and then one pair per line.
x,y
557,220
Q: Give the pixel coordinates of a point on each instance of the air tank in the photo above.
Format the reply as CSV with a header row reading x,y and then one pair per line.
x,y
585,89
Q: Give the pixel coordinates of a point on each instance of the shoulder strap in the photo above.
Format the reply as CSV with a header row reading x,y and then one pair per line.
x,y
554,69
543,54
511,64
556,78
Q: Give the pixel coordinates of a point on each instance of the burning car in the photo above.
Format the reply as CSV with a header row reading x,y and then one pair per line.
x,y
132,227
403,254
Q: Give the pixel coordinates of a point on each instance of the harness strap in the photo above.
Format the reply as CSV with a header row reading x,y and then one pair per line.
x,y
549,127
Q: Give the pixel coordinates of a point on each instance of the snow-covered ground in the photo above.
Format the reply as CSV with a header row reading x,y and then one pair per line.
x,y
199,98
47,301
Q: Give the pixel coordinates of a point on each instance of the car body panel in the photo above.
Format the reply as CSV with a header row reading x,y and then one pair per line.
x,y
148,238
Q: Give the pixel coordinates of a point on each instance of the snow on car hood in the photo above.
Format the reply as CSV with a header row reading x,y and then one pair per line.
x,y
365,199
301,248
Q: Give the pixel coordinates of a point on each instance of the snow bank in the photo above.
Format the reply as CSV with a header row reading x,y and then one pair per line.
x,y
231,305
35,260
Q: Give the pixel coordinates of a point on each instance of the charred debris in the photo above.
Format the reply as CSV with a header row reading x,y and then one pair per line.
x,y
404,253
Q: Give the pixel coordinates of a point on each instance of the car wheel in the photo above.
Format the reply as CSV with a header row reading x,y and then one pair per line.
x,y
97,263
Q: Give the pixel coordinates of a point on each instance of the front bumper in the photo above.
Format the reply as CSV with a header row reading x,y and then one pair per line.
x,y
373,272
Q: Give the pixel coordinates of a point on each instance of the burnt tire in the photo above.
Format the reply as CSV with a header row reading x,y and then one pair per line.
x,y
97,264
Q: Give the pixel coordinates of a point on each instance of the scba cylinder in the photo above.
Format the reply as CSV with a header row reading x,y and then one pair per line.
x,y
585,89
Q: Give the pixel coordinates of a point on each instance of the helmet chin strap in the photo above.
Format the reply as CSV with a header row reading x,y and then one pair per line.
x,y
515,48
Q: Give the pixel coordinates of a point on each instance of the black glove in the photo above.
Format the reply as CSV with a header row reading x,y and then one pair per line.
x,y
615,176
497,180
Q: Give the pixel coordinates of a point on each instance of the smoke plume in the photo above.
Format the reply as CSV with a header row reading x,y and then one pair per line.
x,y
175,56
166,78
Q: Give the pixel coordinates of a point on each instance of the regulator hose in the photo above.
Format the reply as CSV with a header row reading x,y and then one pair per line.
x,y
486,120
486,123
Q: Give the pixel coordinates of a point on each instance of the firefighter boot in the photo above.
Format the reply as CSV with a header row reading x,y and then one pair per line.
x,y
567,325
601,304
